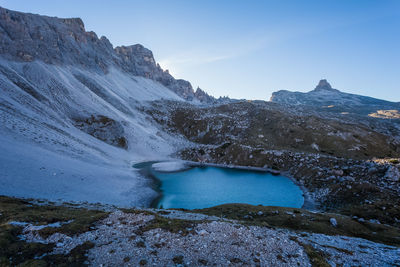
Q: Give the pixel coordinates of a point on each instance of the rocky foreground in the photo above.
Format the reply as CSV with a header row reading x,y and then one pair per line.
x,y
47,235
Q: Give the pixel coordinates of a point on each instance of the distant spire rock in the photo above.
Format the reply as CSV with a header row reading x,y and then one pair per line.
x,y
323,85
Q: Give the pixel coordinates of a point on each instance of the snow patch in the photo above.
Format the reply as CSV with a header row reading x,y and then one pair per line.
x,y
170,166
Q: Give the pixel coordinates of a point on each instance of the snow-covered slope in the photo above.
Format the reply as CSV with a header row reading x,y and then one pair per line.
x,y
39,106
71,119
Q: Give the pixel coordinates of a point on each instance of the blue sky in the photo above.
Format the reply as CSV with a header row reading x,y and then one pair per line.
x,y
248,49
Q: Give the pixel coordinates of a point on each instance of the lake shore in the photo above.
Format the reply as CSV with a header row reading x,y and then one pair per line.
x,y
148,168
249,168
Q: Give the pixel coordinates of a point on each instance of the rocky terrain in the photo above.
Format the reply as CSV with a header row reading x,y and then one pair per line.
x,y
346,166
242,235
77,113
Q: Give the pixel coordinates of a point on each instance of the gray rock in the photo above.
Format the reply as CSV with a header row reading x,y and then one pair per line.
x,y
29,37
372,170
104,129
338,172
393,173
333,222
203,232
323,85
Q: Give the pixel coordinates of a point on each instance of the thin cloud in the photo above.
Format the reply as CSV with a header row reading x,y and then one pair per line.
x,y
210,54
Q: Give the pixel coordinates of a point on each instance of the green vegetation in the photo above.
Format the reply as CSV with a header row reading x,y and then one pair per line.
x,y
179,226
178,259
143,262
14,251
257,123
317,257
385,210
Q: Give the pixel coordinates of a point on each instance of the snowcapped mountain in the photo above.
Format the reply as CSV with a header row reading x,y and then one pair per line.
x,y
71,120
324,96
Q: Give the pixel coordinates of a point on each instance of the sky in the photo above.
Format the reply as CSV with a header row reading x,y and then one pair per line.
x,y
249,49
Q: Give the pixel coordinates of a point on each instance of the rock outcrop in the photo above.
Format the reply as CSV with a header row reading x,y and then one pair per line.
x,y
204,97
141,62
28,37
393,173
104,129
324,85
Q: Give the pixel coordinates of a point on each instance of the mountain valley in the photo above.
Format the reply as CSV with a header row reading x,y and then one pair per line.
x,y
77,113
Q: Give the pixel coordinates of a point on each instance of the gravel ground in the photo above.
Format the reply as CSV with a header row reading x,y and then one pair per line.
x,y
347,251
119,240
177,214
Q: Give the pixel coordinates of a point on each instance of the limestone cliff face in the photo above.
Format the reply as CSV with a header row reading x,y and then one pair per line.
x,y
29,37
140,61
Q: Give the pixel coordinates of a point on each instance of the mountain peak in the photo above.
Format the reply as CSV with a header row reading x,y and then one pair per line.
x,y
323,85
326,97
28,37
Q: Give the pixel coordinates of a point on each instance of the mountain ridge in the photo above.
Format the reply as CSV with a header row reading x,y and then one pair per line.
x,y
324,96
26,37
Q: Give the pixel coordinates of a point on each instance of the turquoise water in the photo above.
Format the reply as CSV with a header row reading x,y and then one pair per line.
x,y
210,186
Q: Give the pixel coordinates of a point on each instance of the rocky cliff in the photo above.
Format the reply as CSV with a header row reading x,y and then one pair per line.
x,y
28,37
70,112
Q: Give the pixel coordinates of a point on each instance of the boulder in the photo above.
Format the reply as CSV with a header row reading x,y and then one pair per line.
x,y
393,173
333,222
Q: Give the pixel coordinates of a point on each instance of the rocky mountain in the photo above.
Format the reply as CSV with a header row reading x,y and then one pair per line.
x,y
67,98
28,37
76,115
330,99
